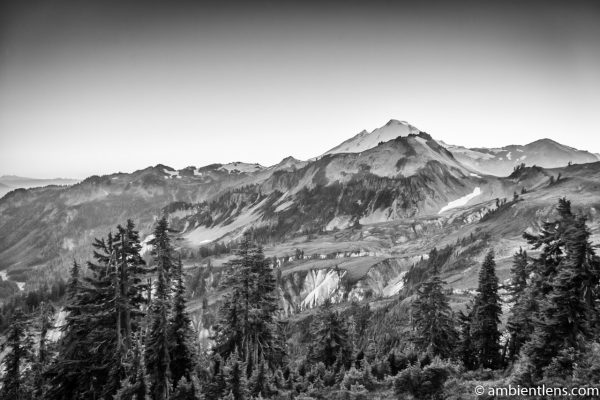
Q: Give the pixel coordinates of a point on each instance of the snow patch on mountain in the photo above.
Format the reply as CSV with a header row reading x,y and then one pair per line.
x,y
168,171
462,201
241,167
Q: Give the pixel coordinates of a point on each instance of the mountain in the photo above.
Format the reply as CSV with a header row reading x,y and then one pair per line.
x,y
501,161
367,140
405,177
495,161
380,210
11,182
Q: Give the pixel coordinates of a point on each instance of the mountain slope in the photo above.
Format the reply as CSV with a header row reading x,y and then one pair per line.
x,y
501,161
405,177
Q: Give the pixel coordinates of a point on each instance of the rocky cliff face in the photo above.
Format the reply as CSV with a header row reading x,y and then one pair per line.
x,y
309,288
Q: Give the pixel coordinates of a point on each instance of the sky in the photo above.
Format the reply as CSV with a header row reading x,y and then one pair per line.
x,y
95,87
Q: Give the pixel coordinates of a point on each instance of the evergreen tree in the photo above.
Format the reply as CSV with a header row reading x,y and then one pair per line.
x,y
42,358
520,324
486,316
519,274
520,321
69,375
465,349
566,277
260,381
263,331
246,320
157,340
215,385
180,333
330,343
236,385
19,344
103,314
135,386
433,320
132,272
89,351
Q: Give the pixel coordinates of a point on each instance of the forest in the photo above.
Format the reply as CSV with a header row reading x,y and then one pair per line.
x,y
128,332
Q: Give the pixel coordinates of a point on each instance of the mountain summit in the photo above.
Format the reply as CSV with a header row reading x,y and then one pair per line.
x,y
367,140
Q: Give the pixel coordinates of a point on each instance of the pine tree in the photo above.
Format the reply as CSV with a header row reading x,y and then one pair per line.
x,y
236,384
520,321
433,320
215,386
246,320
566,277
157,341
330,343
519,274
486,316
180,332
104,311
19,344
263,337
88,352
135,385
69,374
260,381
39,366
465,350
132,271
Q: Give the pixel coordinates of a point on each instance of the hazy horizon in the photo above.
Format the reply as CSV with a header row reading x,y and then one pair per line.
x,y
91,88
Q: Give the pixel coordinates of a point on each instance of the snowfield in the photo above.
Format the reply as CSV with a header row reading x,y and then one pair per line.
x,y
241,167
462,201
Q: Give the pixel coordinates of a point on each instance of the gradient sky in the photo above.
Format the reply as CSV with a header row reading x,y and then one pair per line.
x,y
98,87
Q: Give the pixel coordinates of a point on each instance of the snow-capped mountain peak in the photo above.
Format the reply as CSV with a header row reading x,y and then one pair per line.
x,y
367,140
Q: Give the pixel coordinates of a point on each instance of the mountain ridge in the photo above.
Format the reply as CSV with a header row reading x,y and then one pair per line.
x,y
412,183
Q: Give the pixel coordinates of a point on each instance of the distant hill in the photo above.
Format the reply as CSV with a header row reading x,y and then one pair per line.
x,y
14,181
501,161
